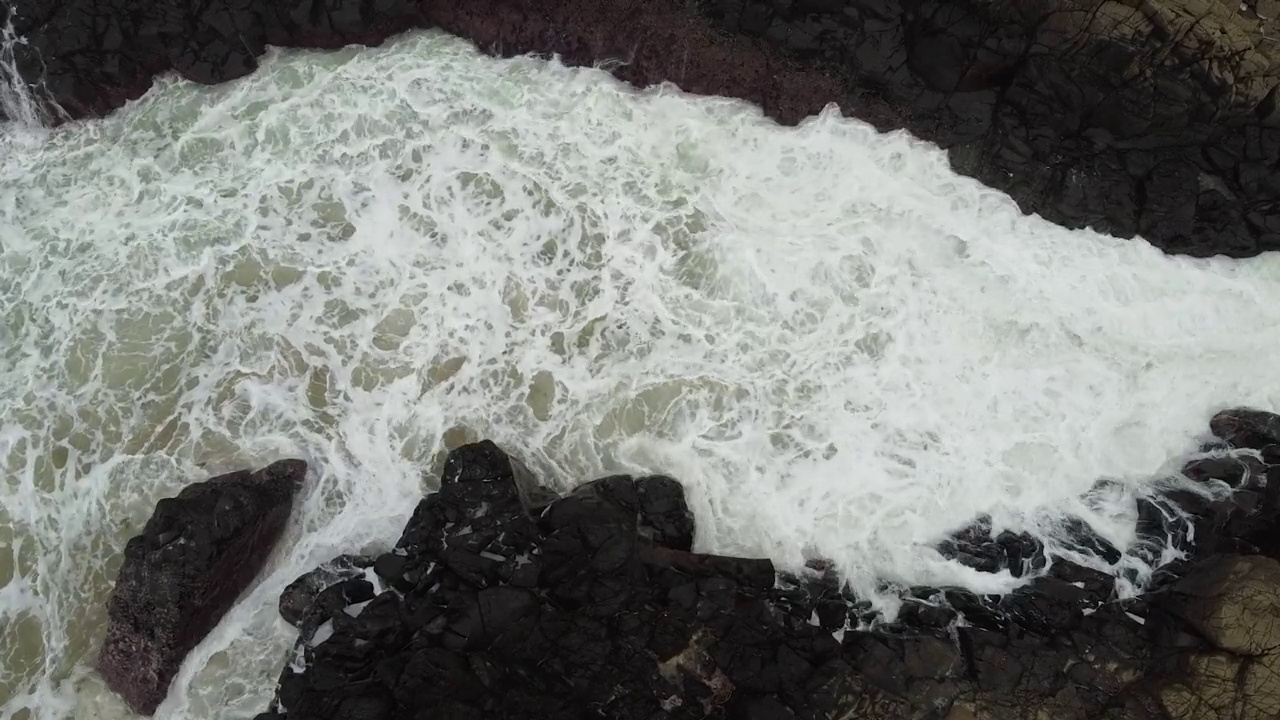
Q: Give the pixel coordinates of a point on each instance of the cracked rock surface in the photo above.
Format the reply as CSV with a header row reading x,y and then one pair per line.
x,y
501,600
1158,118
1233,606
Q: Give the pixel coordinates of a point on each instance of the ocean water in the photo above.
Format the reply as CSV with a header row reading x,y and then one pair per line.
x,y
365,257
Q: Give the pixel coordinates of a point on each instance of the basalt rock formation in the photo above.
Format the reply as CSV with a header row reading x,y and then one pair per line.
x,y
195,556
1157,117
500,600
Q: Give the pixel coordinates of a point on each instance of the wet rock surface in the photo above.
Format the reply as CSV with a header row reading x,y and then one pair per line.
x,y
308,593
499,601
196,554
1159,118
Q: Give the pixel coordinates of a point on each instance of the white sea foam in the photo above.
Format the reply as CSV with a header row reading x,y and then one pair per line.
x,y
357,257
21,103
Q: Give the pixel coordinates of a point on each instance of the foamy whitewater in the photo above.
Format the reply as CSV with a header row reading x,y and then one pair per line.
x,y
364,257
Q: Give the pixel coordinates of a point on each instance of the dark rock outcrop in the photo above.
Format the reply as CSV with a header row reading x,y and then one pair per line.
x,y
195,556
307,592
592,605
1247,429
1157,118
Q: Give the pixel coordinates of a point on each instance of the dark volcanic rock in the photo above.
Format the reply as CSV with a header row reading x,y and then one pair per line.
x,y
1159,118
1234,470
195,556
300,595
592,606
1244,428
975,547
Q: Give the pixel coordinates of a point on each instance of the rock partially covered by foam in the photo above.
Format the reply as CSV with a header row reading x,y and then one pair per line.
x,y
301,594
1237,503
500,604
502,601
195,556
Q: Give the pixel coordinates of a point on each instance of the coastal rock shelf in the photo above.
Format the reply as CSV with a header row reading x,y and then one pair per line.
x,y
502,600
1158,119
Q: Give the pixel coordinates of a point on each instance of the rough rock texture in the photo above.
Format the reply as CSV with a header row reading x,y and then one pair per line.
x,y
499,602
302,595
197,553
1158,117
1233,606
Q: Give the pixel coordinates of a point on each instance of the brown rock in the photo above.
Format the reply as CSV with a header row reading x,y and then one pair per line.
x,y
1234,604
195,556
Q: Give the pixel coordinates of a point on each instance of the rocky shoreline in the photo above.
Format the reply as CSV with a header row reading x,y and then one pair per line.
x,y
502,599
1158,118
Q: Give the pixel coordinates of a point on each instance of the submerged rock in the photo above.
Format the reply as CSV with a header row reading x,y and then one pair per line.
x,y
593,605
195,556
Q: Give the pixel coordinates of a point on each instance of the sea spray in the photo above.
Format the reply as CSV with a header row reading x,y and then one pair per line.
x,y
20,101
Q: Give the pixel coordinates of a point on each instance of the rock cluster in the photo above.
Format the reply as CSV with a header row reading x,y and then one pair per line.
x,y
1159,118
195,556
502,600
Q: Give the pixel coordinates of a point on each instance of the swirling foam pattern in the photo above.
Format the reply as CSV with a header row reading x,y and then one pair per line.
x,y
361,257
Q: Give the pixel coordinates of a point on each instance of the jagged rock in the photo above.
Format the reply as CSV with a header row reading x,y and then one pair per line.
x,y
1079,536
195,556
974,546
1159,118
593,606
300,595
553,605
1097,585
